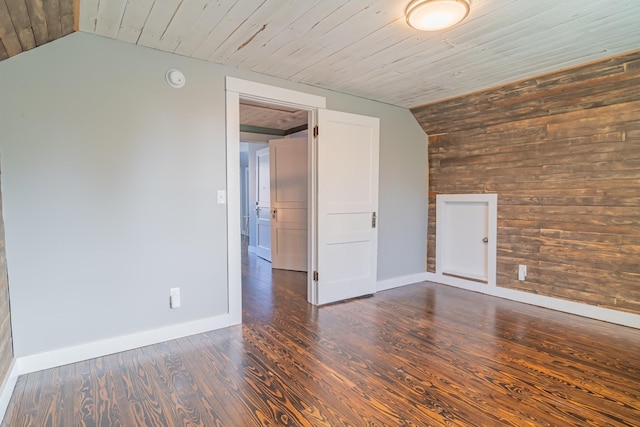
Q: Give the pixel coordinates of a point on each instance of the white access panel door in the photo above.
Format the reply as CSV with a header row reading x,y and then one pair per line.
x,y
465,236
289,203
466,252
347,232
263,205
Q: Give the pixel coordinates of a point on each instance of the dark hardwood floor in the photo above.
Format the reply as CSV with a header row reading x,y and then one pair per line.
x,y
420,355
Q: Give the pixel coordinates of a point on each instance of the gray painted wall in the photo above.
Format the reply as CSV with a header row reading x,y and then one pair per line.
x,y
109,187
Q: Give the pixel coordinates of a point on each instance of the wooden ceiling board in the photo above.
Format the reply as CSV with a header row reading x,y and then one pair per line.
x,y
360,47
157,22
232,22
26,24
271,117
8,36
21,23
134,19
109,19
52,18
38,21
273,39
206,22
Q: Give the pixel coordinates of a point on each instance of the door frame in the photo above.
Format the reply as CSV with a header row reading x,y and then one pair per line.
x,y
245,89
442,200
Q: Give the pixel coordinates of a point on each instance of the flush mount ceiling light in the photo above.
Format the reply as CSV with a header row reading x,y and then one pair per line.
x,y
433,15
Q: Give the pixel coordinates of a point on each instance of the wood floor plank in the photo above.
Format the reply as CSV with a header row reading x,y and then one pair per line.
x,y
13,407
142,395
420,355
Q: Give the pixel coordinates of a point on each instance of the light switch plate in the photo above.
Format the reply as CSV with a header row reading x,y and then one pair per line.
x,y
222,197
174,298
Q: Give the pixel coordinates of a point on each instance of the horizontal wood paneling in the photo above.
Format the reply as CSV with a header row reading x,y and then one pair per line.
x,y
563,153
26,24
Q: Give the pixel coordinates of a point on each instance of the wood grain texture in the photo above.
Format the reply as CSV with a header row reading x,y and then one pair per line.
x,y
562,152
26,24
365,47
421,355
21,23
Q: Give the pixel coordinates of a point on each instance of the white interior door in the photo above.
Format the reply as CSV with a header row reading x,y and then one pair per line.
x,y
465,236
263,204
289,200
466,227
347,185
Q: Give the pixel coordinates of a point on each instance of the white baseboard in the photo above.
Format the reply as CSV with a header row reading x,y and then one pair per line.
x,y
585,310
7,387
51,359
396,282
77,353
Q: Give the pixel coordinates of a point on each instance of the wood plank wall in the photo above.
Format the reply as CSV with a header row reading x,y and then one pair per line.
x,y
6,343
25,24
562,151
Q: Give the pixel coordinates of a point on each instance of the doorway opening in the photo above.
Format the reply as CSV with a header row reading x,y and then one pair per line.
x,y
275,147
342,200
247,90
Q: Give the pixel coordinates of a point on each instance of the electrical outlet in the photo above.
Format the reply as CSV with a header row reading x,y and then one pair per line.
x,y
522,272
174,297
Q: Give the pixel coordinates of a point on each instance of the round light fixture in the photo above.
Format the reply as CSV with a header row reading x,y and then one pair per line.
x,y
434,15
175,78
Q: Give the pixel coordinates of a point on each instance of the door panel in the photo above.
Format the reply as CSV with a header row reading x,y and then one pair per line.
x,y
289,202
466,233
348,147
465,253
263,204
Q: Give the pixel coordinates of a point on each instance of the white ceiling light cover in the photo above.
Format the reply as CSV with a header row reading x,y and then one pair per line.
x,y
433,15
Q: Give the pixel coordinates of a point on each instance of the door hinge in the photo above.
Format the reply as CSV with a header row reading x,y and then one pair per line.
x,y
315,131
315,276
373,220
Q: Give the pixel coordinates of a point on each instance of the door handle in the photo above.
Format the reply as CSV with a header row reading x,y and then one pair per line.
x,y
274,213
485,240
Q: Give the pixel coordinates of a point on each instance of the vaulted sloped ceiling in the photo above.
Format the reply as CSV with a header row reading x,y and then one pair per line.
x,y
26,24
360,47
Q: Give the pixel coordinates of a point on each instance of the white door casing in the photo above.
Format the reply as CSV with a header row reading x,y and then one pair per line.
x,y
289,203
348,150
236,89
466,232
263,204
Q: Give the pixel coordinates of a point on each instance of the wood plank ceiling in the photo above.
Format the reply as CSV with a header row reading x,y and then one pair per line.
x,y
25,24
361,47
277,119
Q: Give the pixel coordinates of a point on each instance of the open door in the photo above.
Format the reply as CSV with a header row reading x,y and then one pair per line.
x,y
347,184
289,200
263,205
